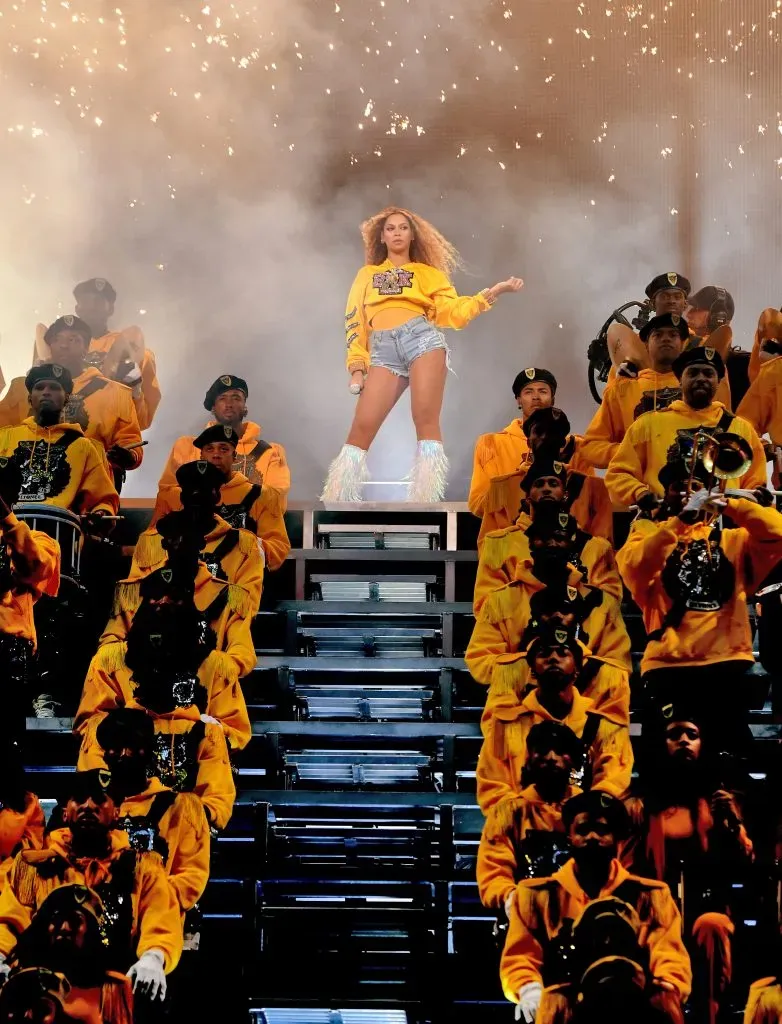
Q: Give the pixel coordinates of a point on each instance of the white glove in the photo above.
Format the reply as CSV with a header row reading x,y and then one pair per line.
x,y
529,1001
148,976
356,389
698,499
5,969
209,720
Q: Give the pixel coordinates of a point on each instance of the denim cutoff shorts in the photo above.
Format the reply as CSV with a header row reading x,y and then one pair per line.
x,y
398,348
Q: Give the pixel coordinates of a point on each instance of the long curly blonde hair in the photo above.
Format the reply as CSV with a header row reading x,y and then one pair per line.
x,y
428,245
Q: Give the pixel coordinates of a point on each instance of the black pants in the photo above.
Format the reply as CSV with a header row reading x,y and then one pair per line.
x,y
718,694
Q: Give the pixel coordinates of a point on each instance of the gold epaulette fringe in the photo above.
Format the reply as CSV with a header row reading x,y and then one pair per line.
x,y
501,817
248,542
498,546
192,809
508,678
220,665
127,597
149,549
501,604
111,657
239,600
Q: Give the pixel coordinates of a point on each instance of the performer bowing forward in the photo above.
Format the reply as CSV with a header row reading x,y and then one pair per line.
x,y
397,302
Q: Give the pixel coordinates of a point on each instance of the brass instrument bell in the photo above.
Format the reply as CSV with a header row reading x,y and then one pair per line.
x,y
726,456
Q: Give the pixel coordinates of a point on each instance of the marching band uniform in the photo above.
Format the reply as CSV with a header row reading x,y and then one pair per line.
x,y
243,505
261,462
502,453
634,470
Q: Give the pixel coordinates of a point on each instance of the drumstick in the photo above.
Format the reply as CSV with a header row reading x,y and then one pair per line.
x,y
138,444
86,515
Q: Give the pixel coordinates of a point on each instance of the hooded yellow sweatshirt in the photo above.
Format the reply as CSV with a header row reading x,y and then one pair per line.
x,y
60,467
644,451
504,751
109,684
269,468
231,624
186,832
761,405
496,497
622,404
703,637
495,656
263,517
242,566
214,783
36,873
542,905
505,557
495,455
496,867
35,568
107,415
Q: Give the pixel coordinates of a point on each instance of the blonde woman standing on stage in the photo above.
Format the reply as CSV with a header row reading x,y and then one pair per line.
x,y
397,302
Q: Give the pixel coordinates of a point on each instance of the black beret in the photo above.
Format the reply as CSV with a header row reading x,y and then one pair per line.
x,y
699,355
122,723
543,467
598,804
225,383
534,375
706,297
49,371
552,599
82,785
669,280
549,420
552,635
216,433
96,286
196,474
678,470
69,322
666,320
554,736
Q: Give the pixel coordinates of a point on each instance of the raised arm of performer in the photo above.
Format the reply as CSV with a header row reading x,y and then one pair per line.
x,y
396,303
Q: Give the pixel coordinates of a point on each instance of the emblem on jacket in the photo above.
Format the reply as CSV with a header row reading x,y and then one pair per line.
x,y
46,471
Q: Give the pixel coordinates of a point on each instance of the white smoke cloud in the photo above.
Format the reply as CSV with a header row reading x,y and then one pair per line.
x,y
242,260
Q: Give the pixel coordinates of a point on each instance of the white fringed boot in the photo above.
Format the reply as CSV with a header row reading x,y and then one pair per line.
x,y
429,474
346,476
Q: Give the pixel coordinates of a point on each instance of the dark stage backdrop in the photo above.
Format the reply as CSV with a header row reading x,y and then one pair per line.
x,y
213,160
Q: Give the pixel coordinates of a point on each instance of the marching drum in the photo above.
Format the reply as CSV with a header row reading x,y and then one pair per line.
x,y
61,524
